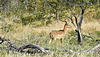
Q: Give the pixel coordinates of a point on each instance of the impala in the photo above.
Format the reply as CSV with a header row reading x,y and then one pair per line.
x,y
59,34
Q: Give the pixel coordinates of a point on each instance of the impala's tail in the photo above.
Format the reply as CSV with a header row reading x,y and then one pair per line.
x,y
51,36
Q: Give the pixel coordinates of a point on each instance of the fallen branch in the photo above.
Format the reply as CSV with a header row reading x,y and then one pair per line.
x,y
83,36
86,36
34,48
94,48
86,51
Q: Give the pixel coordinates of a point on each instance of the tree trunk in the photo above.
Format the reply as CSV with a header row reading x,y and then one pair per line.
x,y
35,4
57,15
98,2
44,6
79,36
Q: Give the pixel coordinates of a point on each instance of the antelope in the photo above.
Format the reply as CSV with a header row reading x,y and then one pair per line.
x,y
59,33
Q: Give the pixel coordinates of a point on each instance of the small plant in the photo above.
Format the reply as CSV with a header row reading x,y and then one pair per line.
x,y
3,53
17,21
2,18
39,16
97,16
72,32
7,27
48,22
43,33
98,33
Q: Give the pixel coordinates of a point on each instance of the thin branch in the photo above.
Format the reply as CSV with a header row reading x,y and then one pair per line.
x,y
82,12
72,21
78,14
73,15
87,36
85,6
37,39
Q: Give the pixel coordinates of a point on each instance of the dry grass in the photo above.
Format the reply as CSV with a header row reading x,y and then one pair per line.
x,y
20,32
89,25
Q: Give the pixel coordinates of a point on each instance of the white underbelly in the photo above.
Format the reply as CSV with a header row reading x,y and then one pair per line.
x,y
58,37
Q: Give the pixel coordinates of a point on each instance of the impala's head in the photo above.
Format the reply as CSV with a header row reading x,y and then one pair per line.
x,y
67,26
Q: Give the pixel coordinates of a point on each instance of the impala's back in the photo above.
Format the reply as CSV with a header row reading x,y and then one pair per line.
x,y
57,34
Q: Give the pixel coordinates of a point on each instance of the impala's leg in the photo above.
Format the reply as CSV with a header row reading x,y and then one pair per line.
x,y
51,38
50,41
62,39
54,40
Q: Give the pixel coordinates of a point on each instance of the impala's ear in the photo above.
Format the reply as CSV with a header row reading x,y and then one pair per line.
x,y
66,23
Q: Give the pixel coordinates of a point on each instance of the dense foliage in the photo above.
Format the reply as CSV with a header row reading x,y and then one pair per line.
x,y
37,8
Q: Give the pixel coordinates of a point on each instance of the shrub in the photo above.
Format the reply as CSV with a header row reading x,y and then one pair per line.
x,y
39,15
27,19
31,18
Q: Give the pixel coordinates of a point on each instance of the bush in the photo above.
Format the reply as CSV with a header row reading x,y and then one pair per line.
x,y
31,18
27,19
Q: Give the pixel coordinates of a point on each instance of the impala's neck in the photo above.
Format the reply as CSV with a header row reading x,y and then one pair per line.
x,y
65,29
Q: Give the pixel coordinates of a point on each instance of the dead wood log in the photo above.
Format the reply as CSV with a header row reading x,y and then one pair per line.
x,y
38,49
34,48
96,48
